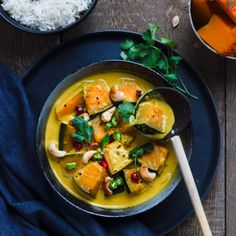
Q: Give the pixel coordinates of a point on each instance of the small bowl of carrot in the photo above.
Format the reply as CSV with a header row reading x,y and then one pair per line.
x,y
214,22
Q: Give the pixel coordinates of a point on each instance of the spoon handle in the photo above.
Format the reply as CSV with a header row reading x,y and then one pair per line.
x,y
190,184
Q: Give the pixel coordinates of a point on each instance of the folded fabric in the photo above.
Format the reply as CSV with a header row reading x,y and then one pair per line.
x,y
28,205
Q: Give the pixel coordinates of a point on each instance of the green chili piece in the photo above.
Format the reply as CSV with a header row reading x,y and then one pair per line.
x,y
101,151
119,180
117,136
71,165
97,156
114,121
113,185
108,126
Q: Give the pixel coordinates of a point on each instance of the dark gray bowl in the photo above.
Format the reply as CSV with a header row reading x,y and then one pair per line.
x,y
5,15
104,66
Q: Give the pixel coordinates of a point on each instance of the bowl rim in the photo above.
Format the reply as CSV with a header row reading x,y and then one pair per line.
x,y
6,16
199,37
45,166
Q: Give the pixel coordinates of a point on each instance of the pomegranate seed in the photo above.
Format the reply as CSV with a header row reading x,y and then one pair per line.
x,y
94,146
103,163
139,93
78,146
79,110
135,177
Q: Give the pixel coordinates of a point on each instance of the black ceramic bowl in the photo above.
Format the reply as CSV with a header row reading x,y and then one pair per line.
x,y
5,15
104,66
195,28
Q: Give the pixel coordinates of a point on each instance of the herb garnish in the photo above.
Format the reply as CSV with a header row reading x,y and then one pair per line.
x,y
71,165
126,111
84,132
140,151
136,164
105,140
154,57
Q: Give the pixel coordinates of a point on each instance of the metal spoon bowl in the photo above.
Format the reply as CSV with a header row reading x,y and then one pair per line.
x,y
182,111
180,106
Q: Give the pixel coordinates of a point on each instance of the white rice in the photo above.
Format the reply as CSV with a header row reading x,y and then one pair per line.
x,y
45,15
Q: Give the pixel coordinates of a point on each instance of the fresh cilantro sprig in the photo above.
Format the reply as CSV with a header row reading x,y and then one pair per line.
x,y
154,57
84,132
126,111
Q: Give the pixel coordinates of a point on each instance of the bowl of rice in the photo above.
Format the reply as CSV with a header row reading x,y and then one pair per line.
x,y
45,16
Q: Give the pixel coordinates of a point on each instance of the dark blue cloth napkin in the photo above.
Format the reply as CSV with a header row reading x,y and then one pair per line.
x,y
28,205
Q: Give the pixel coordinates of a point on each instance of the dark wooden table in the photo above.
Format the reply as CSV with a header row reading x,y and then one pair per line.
x,y
21,50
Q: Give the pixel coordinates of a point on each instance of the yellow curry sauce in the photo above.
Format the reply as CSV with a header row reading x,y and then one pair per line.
x,y
120,200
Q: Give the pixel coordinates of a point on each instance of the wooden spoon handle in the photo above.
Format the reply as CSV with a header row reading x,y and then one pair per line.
x,y
190,184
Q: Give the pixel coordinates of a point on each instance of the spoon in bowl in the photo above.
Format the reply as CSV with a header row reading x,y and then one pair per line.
x,y
182,112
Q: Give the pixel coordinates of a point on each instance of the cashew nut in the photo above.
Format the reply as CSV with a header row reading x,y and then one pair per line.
x,y
105,186
116,94
87,156
55,151
106,116
85,116
146,174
